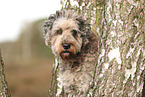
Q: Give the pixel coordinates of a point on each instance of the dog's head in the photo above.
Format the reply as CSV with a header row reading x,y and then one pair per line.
x,y
65,33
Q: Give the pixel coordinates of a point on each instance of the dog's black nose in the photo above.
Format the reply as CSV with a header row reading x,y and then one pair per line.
x,y
66,45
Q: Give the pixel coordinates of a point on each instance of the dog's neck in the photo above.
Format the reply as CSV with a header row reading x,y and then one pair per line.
x,y
71,64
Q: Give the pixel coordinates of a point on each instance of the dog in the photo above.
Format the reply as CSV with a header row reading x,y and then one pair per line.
x,y
75,45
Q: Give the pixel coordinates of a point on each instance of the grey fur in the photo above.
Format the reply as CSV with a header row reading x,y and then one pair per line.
x,y
75,75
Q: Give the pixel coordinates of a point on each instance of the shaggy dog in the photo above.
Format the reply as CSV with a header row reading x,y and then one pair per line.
x,y
75,46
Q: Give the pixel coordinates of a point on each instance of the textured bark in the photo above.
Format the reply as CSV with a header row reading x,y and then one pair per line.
x,y
3,83
121,60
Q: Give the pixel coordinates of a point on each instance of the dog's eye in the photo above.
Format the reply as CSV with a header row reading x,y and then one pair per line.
x,y
74,33
59,31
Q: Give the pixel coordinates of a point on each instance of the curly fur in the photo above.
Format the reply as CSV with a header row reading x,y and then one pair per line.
x,y
75,74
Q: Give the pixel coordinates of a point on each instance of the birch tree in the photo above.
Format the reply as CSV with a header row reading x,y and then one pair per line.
x,y
3,83
121,61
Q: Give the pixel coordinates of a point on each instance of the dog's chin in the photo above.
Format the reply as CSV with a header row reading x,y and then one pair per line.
x,y
66,55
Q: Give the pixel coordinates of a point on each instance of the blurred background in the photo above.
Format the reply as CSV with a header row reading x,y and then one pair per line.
x,y
28,61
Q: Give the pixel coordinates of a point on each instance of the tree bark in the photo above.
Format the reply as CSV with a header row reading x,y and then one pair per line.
x,y
121,61
3,83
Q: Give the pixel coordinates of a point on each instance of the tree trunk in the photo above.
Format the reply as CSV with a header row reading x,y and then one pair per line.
x,y
3,83
121,61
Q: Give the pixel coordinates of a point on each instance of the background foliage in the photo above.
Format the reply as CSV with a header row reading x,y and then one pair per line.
x,y
28,62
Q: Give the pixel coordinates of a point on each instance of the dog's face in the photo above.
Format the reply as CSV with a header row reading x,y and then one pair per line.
x,y
64,34
66,40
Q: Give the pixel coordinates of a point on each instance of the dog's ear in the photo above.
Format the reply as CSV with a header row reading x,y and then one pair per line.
x,y
84,26
80,22
49,23
85,29
47,29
